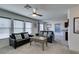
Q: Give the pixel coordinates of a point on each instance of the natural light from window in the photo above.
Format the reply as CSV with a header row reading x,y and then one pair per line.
x,y
18,26
4,27
41,27
28,27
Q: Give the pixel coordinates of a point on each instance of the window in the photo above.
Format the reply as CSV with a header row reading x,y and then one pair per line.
x,y
41,27
28,27
4,27
57,28
49,27
18,26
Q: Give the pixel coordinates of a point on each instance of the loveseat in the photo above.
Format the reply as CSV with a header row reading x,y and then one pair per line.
x,y
48,34
18,39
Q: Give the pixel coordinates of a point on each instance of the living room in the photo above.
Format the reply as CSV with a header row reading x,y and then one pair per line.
x,y
34,19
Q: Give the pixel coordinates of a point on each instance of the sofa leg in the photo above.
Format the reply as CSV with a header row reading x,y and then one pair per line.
x,y
9,44
14,47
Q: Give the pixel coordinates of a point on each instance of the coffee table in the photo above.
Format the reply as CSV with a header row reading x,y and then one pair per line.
x,y
42,40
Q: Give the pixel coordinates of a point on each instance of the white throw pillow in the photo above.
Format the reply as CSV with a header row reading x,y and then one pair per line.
x,y
45,34
26,35
49,34
18,36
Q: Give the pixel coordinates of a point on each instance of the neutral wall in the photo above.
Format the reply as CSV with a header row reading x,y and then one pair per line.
x,y
14,16
73,38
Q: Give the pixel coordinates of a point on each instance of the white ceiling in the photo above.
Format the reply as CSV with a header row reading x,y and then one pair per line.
x,y
49,11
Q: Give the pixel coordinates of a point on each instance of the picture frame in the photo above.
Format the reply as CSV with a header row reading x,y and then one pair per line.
x,y
76,25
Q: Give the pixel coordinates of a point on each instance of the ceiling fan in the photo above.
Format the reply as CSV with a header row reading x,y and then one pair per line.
x,y
34,10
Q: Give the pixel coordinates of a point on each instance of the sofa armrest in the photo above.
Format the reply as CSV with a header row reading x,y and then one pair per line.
x,y
12,41
31,35
11,38
37,34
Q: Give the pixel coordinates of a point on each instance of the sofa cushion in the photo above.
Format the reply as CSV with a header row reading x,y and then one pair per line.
x,y
18,40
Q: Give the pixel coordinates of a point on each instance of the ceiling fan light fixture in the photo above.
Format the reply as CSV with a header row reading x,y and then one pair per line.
x,y
34,15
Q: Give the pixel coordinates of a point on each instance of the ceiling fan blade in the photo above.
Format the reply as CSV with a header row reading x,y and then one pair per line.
x,y
35,12
39,14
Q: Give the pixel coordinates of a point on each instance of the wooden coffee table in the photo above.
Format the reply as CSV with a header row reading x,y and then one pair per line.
x,y
42,40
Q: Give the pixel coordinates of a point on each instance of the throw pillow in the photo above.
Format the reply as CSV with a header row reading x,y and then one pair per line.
x,y
18,36
45,34
26,35
49,34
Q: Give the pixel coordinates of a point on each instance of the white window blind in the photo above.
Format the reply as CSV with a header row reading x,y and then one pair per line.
x,y
28,27
41,27
18,26
4,27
